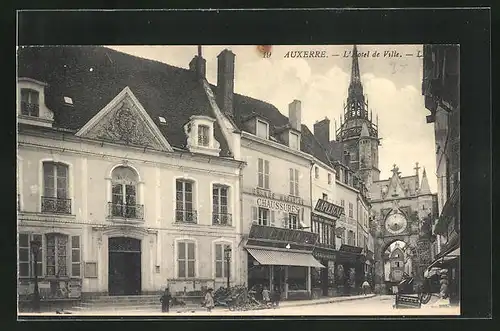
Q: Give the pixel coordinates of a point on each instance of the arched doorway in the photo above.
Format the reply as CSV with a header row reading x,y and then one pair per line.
x,y
124,272
397,260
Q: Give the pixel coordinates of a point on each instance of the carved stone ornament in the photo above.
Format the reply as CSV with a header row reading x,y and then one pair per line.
x,y
125,125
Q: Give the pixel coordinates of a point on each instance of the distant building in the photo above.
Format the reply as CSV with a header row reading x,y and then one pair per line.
x,y
441,88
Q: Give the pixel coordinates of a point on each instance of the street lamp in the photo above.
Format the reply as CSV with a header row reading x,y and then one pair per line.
x,y
35,249
227,255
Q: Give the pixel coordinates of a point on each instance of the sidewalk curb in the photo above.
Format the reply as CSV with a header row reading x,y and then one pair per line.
x,y
333,300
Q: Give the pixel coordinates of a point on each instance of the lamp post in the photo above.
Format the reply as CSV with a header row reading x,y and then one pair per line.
x,y
35,249
227,255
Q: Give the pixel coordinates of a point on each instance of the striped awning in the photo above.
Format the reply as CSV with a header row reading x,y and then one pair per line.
x,y
271,257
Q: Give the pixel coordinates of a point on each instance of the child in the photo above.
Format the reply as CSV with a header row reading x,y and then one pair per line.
x,y
209,300
165,300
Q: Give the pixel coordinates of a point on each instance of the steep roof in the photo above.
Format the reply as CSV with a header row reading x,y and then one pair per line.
x,y
247,107
92,76
408,183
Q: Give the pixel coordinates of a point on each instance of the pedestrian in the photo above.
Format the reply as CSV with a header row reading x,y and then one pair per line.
x,y
209,300
276,296
165,300
366,287
266,298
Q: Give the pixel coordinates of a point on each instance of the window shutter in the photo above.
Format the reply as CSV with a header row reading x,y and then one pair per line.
x,y
292,182
75,256
296,182
271,222
255,214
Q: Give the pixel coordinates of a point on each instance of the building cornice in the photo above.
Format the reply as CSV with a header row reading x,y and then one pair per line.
x,y
64,137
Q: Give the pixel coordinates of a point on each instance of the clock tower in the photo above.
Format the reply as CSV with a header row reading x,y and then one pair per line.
x,y
357,132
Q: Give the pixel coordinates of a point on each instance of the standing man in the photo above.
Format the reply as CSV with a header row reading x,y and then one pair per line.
x,y
165,301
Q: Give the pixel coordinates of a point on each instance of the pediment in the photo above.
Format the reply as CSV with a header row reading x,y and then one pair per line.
x,y
125,121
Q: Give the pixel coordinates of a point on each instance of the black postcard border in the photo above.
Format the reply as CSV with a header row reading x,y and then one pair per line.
x,y
468,27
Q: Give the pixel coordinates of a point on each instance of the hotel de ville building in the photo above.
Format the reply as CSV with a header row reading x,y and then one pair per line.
x,y
134,175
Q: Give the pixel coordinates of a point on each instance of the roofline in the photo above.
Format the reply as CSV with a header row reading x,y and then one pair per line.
x,y
31,80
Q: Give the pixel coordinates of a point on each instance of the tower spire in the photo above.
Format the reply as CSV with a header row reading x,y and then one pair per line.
x,y
355,76
424,186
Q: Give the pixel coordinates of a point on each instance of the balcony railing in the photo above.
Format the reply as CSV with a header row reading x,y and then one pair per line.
x,y
186,216
120,210
29,109
56,205
222,219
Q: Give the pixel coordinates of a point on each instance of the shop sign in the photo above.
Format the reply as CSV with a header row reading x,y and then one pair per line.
x,y
278,205
329,208
350,249
276,196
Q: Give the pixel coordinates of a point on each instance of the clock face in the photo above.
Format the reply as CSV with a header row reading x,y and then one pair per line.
x,y
395,223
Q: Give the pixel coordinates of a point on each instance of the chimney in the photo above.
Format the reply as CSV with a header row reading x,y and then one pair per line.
x,y
225,81
294,115
322,131
199,66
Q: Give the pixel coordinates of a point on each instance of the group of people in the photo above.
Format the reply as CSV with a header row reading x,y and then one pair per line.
x,y
165,299
271,298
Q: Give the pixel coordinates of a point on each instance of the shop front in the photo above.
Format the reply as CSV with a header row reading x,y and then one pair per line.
x,y
323,222
281,259
350,270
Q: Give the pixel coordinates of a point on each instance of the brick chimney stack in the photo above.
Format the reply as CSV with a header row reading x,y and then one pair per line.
x,y
322,131
198,64
225,82
295,115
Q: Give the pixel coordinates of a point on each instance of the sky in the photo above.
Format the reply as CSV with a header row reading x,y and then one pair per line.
x,y
392,86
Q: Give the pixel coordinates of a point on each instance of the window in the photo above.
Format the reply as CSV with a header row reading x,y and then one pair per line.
x,y
221,265
346,177
342,204
337,174
186,259
55,188
343,239
30,102
263,181
350,209
293,221
263,216
341,175
262,129
26,256
294,182
220,205
294,140
329,178
325,196
162,120
316,172
203,135
124,194
75,256
351,240
184,202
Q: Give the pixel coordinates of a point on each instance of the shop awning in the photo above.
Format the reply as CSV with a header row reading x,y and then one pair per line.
x,y
271,257
448,256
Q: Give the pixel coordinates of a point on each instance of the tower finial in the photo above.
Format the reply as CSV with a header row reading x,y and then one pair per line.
x,y
355,77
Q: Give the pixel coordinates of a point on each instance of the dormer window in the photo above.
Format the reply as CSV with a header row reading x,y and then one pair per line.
x,y
262,129
294,140
31,107
30,102
203,135
200,135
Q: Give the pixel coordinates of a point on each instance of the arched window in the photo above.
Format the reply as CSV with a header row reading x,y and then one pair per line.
x,y
124,193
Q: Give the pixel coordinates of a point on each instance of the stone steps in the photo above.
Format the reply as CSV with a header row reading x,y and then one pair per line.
x,y
136,302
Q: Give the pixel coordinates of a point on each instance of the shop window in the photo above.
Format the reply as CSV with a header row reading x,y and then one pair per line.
x,y
30,100
124,181
184,212
294,182
297,278
55,188
220,214
186,259
221,265
263,174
